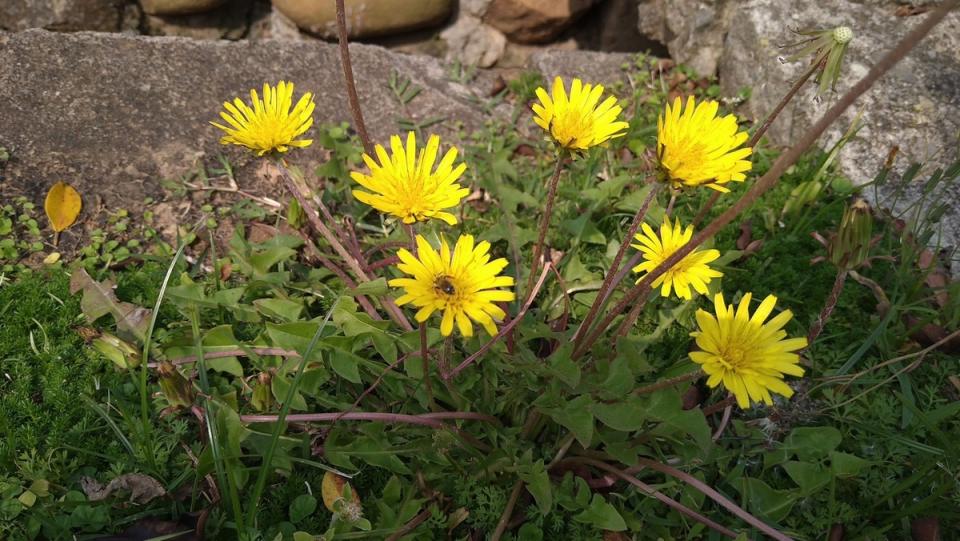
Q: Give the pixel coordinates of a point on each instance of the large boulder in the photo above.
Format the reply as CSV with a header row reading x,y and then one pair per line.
x,y
590,66
472,42
62,15
114,115
534,21
178,7
692,30
915,107
365,18
232,20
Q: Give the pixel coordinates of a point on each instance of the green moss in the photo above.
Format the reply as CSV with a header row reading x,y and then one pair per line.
x,y
46,368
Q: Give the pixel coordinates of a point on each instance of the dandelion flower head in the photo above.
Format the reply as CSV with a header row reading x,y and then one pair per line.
x,y
578,121
691,271
746,354
268,124
697,148
461,284
406,185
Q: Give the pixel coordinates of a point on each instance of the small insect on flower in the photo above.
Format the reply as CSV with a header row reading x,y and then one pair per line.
x,y
407,186
461,284
746,354
695,147
268,124
692,270
579,121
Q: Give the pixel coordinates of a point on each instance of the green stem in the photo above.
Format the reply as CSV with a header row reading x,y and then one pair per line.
x,y
267,465
213,437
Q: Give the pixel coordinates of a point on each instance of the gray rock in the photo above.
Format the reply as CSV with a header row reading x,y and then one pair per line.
x,y
692,30
62,15
113,115
589,66
915,107
473,43
231,20
178,7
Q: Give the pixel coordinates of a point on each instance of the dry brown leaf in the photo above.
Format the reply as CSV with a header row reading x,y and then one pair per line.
x,y
332,490
142,488
62,206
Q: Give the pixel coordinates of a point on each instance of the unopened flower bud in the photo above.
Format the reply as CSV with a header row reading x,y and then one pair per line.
x,y
850,246
175,388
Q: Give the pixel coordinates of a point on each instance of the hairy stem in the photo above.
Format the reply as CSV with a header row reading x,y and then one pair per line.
x,y
349,81
615,265
709,492
507,512
650,491
432,420
764,126
828,307
504,330
670,382
317,224
545,220
788,158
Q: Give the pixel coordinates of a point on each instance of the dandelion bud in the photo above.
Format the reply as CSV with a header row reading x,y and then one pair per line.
x,y
175,388
825,49
120,352
842,35
851,245
262,393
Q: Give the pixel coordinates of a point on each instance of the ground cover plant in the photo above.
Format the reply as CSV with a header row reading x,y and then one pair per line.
x,y
637,323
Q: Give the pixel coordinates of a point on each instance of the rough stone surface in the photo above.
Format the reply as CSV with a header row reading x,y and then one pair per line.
x,y
612,27
366,18
915,107
100,110
178,7
590,66
232,20
534,21
62,15
473,43
693,30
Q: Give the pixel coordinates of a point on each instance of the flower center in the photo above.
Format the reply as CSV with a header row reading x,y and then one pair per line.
x,y
733,357
570,126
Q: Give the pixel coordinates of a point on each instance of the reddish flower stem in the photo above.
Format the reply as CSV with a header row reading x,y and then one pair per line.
x,y
503,330
755,138
545,220
432,420
650,491
349,81
785,160
615,265
828,306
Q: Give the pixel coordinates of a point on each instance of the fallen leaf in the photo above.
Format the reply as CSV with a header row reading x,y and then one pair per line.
x,y
52,258
62,206
100,299
142,488
332,490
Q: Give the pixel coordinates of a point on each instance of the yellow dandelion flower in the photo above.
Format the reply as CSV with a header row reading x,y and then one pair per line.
x,y
461,284
577,122
749,357
697,148
268,124
407,186
692,270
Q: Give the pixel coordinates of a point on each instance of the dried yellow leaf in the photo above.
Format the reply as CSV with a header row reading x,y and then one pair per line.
x,y
62,206
332,490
